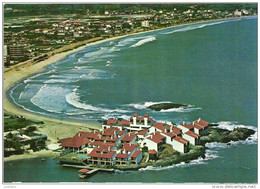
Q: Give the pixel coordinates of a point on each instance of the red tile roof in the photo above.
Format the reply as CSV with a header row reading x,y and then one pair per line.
x,y
130,147
83,171
97,143
192,134
159,126
190,126
201,123
136,153
63,139
124,123
94,153
128,137
181,140
155,139
105,148
171,134
109,144
176,130
146,115
111,131
135,115
77,141
158,134
93,135
121,132
143,132
198,127
112,121
122,156
112,140
152,152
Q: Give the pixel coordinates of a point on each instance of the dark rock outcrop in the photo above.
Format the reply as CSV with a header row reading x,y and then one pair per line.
x,y
225,136
166,106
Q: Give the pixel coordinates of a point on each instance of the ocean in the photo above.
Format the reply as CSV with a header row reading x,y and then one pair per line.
x,y
210,66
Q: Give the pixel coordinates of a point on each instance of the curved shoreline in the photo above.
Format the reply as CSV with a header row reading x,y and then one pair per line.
x,y
21,71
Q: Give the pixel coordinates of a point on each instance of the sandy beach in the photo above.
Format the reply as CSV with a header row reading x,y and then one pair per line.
x,y
53,128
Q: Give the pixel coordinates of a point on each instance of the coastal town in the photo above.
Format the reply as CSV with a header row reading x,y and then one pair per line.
x,y
36,37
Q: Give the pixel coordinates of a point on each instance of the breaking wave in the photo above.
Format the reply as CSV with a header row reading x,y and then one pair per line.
x,y
129,40
143,41
188,28
51,98
189,108
74,100
146,104
115,116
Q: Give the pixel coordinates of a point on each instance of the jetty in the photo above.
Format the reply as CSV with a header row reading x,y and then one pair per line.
x,y
87,171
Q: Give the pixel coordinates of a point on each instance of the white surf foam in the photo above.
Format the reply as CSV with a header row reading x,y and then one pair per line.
x,y
181,109
115,116
209,155
143,41
230,125
188,28
74,100
52,81
129,40
33,78
146,104
23,107
51,98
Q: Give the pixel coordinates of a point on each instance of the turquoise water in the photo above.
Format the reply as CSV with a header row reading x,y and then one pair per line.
x,y
210,66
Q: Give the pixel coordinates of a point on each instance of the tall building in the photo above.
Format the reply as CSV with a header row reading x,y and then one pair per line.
x,y
145,24
6,56
15,51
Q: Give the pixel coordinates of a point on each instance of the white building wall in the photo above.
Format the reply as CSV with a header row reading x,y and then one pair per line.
x,y
177,146
168,139
151,145
184,129
151,130
196,131
189,138
202,131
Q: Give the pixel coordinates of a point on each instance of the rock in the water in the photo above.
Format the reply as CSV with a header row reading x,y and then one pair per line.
x,y
225,136
165,106
240,134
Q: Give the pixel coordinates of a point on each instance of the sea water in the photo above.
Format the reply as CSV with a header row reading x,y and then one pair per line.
x,y
211,67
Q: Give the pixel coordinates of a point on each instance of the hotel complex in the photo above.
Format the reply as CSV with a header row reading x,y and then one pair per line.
x,y
122,142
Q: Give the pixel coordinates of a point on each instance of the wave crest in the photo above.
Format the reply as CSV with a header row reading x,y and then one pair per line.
x,y
143,41
74,100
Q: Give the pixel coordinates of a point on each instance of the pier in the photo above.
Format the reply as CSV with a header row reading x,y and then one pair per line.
x,y
92,170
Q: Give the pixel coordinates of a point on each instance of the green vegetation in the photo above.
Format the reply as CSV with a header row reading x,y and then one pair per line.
x,y
19,126
11,124
55,9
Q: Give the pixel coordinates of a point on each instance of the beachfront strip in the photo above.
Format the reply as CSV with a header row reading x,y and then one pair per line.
x,y
123,142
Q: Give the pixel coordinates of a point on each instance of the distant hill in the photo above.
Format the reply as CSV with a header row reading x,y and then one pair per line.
x,y
43,9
